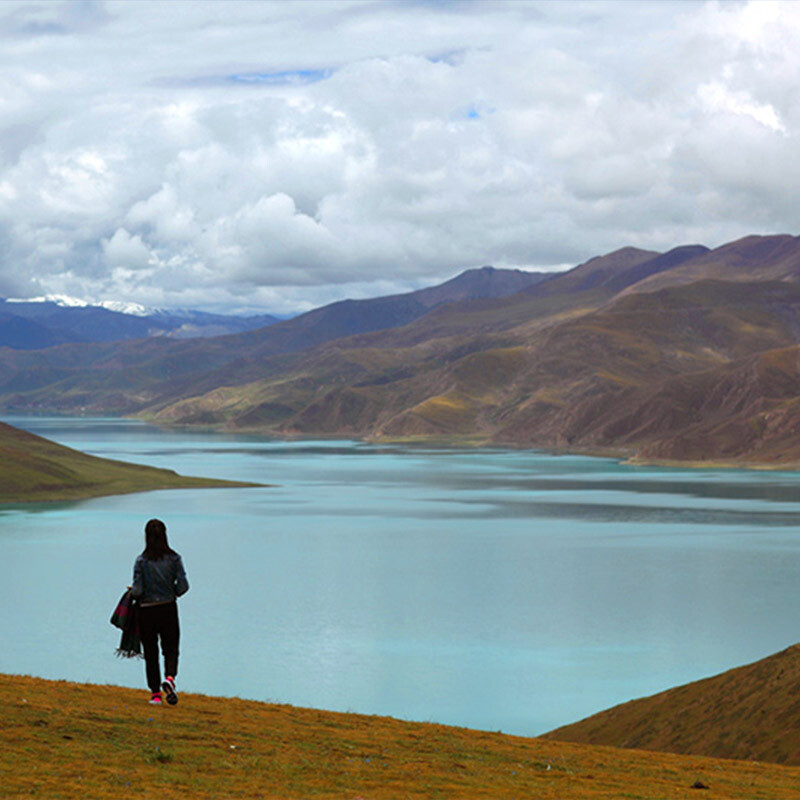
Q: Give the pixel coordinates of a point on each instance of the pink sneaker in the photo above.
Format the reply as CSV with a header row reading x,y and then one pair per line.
x,y
169,690
155,700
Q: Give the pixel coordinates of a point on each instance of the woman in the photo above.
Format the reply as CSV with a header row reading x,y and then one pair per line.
x,y
158,579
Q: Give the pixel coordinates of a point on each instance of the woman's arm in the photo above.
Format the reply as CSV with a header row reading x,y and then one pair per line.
x,y
138,579
181,583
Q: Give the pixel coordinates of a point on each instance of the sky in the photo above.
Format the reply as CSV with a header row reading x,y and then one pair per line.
x,y
275,156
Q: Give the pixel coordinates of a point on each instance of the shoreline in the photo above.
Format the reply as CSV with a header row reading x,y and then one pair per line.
x,y
625,455
77,494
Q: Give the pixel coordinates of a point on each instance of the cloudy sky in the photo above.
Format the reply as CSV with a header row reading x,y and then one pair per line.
x,y
278,155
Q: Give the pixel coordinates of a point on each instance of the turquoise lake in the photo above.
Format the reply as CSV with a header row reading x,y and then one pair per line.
x,y
498,589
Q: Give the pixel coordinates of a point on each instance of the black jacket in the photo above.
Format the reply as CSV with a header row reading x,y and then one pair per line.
x,y
159,581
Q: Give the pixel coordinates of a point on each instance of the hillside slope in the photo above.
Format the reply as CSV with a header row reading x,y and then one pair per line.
x,y
749,712
71,741
33,469
663,374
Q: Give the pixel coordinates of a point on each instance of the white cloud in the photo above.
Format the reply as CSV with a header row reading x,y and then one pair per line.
x,y
124,250
217,154
717,97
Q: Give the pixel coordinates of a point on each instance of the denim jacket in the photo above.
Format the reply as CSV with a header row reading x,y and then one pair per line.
x,y
159,581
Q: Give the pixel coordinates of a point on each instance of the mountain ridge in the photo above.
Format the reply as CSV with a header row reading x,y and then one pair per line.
x,y
775,257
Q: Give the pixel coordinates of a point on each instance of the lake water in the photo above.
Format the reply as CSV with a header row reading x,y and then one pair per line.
x,y
497,589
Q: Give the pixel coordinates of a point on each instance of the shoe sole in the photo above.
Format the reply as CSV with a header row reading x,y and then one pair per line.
x,y
171,694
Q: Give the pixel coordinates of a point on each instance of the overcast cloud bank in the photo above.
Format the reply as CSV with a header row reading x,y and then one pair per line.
x,y
282,155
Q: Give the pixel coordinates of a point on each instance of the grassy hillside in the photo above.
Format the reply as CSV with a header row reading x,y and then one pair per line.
x,y
64,740
33,469
749,712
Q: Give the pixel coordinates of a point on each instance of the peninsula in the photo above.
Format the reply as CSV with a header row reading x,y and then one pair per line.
x,y
34,469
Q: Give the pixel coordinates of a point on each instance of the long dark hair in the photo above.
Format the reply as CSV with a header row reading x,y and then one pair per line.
x,y
155,541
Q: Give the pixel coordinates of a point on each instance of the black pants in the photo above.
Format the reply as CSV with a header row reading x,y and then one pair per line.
x,y
156,622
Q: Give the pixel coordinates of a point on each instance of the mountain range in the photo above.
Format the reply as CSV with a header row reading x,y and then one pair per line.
x,y
689,355
45,323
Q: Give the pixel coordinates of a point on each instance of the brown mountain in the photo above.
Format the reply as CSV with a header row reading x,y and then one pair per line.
x,y
558,296
751,712
748,410
753,258
598,271
351,317
617,378
447,331
618,270
643,373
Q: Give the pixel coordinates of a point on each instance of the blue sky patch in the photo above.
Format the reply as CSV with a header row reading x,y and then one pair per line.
x,y
475,111
289,77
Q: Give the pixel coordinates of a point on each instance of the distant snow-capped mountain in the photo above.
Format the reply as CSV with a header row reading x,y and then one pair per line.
x,y
66,301
38,322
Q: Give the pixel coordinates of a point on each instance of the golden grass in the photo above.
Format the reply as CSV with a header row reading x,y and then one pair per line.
x,y
453,412
548,396
65,741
